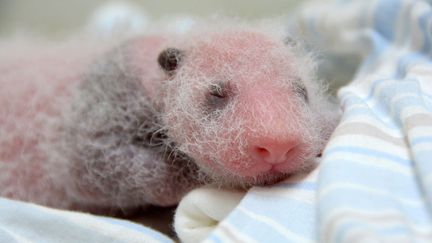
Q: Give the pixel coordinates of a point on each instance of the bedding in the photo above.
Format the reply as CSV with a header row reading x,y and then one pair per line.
x,y
26,222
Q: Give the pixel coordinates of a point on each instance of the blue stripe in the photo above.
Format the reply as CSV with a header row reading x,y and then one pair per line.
x,y
420,140
409,59
371,115
309,186
374,86
404,103
353,171
278,210
389,195
215,238
356,200
390,231
364,109
367,152
262,232
391,86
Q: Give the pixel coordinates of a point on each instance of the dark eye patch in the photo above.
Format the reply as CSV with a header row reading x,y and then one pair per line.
x,y
300,89
218,96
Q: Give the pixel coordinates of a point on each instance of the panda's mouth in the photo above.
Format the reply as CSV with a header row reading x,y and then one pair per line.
x,y
265,179
272,179
278,173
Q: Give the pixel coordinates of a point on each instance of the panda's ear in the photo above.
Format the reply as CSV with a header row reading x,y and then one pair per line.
x,y
170,59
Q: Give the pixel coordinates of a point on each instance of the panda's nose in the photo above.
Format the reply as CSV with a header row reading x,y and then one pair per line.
x,y
273,152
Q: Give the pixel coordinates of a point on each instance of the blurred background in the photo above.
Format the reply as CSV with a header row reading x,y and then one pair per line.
x,y
54,17
58,18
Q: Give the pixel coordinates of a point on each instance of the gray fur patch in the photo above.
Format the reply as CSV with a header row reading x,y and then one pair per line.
x,y
118,154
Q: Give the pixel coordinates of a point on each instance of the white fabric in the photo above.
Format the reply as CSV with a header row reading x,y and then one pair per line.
x,y
201,211
26,222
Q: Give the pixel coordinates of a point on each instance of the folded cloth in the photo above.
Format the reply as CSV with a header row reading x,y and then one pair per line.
x,y
26,222
200,211
375,183
264,215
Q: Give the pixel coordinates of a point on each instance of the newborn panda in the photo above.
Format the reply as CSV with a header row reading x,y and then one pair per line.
x,y
150,119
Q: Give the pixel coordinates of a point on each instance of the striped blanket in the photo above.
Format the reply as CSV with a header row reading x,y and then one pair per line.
x,y
374,182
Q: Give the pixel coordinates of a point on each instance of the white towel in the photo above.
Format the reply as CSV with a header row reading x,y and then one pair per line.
x,y
200,212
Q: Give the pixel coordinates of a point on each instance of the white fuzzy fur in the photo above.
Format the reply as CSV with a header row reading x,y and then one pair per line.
x,y
78,150
205,139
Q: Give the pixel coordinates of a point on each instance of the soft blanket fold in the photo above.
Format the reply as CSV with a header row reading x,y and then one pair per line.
x,y
200,212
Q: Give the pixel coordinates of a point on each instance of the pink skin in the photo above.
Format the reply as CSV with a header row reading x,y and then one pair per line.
x,y
21,104
265,132
272,147
268,151
272,150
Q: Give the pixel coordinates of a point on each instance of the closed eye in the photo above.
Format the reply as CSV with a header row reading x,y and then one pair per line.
x,y
218,96
218,90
